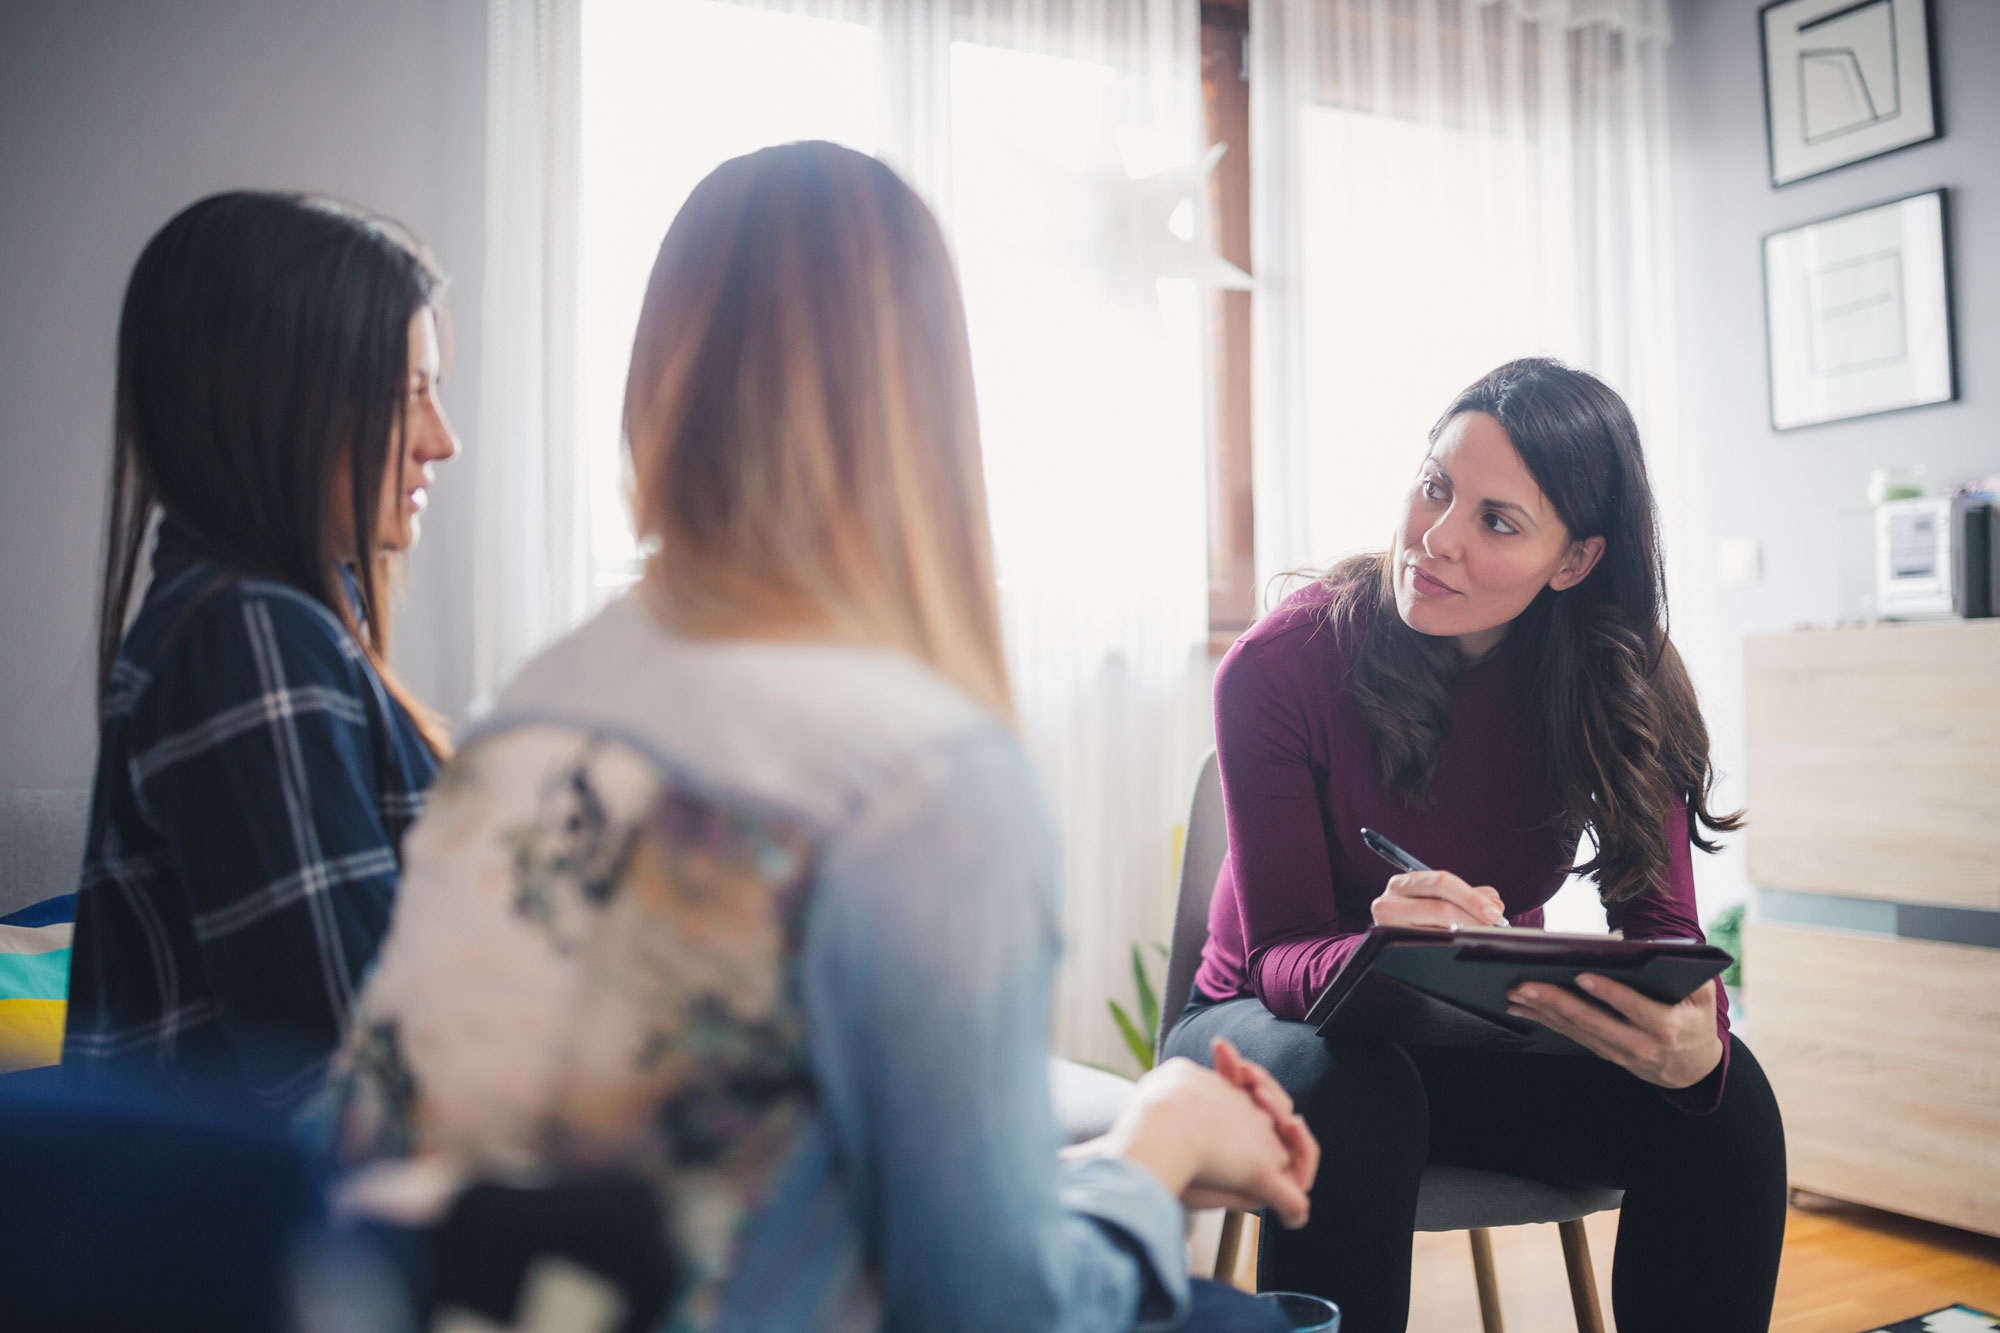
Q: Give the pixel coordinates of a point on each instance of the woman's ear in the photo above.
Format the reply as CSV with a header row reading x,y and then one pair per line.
x,y
1581,558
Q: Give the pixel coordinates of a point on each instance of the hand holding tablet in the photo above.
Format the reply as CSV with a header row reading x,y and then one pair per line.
x,y
1671,1045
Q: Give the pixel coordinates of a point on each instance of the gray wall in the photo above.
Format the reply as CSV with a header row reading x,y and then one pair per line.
x,y
1789,492
112,117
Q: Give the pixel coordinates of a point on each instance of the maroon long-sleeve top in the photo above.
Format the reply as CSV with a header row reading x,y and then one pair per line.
x,y
1299,783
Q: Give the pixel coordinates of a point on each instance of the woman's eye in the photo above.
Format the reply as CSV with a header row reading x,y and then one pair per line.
x,y
1499,524
1431,489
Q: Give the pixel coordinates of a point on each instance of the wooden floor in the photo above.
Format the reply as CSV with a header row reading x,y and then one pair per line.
x,y
1846,1269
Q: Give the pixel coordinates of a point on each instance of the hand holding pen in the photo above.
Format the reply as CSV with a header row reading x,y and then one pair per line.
x,y
1421,896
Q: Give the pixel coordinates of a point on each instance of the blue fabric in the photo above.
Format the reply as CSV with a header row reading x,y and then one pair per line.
x,y
254,779
930,955
48,912
1221,1309
132,1212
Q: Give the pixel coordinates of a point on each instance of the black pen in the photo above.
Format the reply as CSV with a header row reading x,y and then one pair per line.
x,y
1391,853
1396,856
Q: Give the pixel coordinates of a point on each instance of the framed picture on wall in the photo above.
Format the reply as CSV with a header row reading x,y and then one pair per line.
x,y
1857,311
1845,80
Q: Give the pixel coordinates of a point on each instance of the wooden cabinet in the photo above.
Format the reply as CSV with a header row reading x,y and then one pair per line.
x,y
1885,1054
1874,762
1873,773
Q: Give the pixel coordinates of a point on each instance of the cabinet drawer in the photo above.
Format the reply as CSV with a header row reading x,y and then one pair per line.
x,y
1885,1054
1873,762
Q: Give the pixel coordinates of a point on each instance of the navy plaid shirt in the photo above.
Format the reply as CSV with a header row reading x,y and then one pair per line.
x,y
254,780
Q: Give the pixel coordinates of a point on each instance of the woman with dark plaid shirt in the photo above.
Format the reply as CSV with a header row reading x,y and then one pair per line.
x,y
257,762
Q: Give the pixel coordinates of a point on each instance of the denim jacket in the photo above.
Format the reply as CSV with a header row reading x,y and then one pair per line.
x,y
772,924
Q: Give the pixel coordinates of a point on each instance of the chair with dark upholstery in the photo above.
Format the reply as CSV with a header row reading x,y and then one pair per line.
x,y
1449,1198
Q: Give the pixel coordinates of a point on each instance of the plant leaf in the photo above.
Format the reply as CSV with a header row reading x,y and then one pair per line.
x,y
1141,1047
1149,1003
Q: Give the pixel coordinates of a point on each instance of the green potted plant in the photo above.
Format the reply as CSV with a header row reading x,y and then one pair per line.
x,y
1725,931
1139,1033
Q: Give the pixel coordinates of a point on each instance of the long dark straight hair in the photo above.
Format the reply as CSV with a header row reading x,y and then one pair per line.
x,y
263,359
1625,736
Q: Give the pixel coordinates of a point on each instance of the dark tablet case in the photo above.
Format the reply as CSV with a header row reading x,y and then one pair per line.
x,y
1449,988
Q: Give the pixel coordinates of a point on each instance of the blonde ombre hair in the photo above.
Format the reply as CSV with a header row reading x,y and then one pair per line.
x,y
805,450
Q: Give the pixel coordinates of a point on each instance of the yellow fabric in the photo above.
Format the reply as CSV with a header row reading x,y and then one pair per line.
x,y
31,1033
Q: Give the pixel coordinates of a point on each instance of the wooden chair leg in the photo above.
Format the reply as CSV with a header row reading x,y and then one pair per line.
x,y
1487,1280
1582,1279
1227,1245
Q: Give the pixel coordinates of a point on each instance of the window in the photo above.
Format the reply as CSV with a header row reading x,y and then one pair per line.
x,y
669,92
1087,363
1415,284
1080,351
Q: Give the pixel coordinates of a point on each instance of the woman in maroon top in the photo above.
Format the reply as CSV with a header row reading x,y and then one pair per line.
x,y
1488,692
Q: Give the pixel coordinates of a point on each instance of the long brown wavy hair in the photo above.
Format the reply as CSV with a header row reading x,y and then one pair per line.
x,y
1624,733
804,444
263,355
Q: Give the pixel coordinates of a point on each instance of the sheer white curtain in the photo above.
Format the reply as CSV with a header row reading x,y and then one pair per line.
x,y
531,571
1441,186
1065,144
1058,142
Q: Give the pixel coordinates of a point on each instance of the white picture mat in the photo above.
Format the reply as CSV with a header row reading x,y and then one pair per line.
x,y
1845,80
1859,314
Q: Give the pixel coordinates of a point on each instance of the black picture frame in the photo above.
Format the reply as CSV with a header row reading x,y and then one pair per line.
x,y
1949,314
1777,124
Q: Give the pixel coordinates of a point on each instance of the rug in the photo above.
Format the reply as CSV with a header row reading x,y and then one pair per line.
x,y
1951,1319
